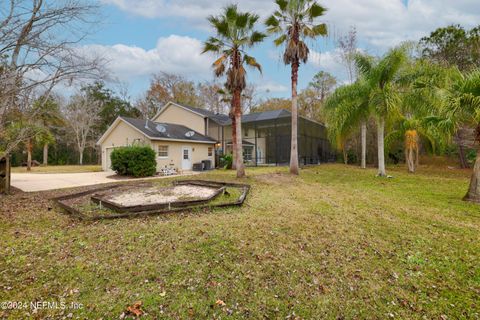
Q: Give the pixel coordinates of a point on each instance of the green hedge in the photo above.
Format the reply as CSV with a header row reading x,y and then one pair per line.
x,y
137,161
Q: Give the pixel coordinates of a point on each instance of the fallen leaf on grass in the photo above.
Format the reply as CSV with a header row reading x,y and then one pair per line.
x,y
135,309
220,303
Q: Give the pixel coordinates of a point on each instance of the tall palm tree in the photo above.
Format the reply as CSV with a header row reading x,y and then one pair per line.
x,y
235,34
345,109
461,105
294,21
382,78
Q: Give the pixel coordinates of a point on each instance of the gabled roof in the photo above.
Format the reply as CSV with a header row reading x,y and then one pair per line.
x,y
224,120
221,119
160,131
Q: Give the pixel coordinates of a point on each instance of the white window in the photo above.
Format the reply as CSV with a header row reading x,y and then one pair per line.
x,y
163,151
210,151
247,153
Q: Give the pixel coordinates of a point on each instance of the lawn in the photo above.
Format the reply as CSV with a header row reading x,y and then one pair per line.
x,y
334,243
59,169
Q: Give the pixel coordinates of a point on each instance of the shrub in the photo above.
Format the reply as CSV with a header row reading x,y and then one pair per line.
x,y
226,161
137,161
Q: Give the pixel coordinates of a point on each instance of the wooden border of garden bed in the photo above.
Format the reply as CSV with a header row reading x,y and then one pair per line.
x,y
77,214
101,201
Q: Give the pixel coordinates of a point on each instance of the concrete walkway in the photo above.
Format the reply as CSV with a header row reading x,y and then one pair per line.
x,y
30,182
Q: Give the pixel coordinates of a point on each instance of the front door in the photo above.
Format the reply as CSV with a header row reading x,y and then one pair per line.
x,y
186,158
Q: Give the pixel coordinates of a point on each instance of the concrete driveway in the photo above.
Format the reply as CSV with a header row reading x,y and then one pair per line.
x,y
30,182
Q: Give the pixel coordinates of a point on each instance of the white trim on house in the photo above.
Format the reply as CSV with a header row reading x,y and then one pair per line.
x,y
176,104
115,123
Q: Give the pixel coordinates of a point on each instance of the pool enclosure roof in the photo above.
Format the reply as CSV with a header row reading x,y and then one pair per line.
x,y
223,119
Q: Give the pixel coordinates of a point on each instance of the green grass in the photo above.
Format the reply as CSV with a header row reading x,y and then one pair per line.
x,y
59,169
335,242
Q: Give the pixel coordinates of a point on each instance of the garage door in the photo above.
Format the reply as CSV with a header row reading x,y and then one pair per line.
x,y
108,152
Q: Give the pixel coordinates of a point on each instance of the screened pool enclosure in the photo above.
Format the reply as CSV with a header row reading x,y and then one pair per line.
x,y
266,140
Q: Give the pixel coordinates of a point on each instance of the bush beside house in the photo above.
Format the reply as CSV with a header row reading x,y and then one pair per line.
x,y
137,161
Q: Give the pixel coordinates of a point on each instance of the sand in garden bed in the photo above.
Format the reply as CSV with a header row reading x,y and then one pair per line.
x,y
154,195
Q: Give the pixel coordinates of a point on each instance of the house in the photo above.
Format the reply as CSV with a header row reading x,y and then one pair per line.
x,y
177,146
265,137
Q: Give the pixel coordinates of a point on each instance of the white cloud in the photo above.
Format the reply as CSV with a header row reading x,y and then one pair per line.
x,y
271,87
386,23
380,23
194,11
174,54
328,61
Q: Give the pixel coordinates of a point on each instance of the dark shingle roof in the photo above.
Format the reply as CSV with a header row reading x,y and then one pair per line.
x,y
219,118
223,119
172,131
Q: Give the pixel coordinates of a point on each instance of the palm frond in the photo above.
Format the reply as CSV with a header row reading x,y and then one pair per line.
x,y
280,40
252,62
316,10
256,37
320,30
282,4
364,63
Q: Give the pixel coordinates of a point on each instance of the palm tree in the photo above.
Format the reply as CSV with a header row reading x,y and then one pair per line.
x,y
234,34
461,105
345,109
417,105
294,21
382,79
410,128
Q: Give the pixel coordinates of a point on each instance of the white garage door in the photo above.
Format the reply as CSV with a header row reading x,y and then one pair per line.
x,y
108,161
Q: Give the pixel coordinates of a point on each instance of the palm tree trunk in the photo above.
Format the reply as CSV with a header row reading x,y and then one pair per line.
x,y
238,132
410,160
417,156
461,151
29,154
363,133
45,154
381,147
81,157
473,193
294,144
234,138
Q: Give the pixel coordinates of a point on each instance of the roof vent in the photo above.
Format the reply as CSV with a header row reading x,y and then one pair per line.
x,y
161,128
189,134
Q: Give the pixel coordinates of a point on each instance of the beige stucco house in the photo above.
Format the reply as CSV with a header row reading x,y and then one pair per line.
x,y
183,135
177,146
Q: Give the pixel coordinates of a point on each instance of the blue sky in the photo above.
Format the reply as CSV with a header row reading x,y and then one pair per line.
x,y
141,37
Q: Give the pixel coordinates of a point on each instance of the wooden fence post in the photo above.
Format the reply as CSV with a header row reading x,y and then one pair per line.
x,y
8,175
5,175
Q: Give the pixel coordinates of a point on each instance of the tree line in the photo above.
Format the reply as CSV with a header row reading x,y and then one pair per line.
x,y
425,93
